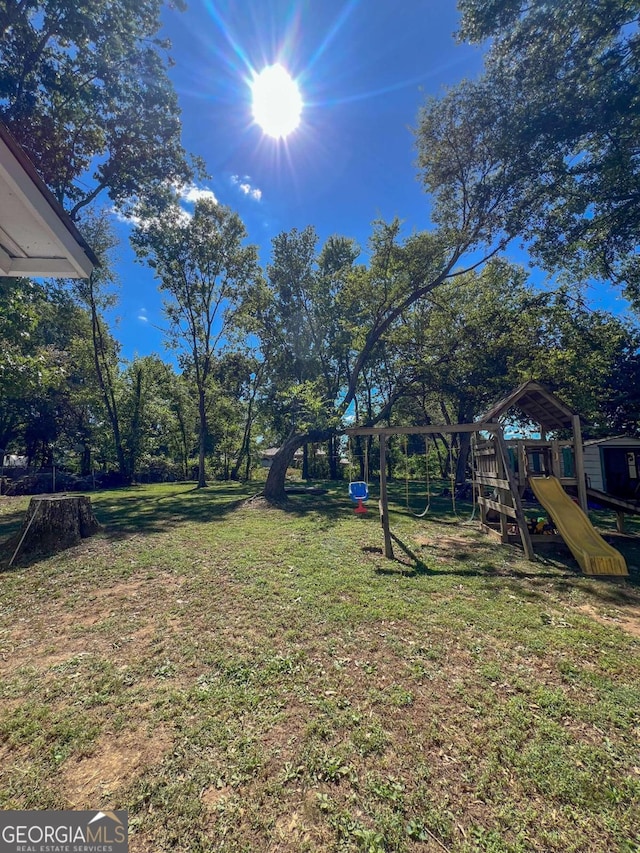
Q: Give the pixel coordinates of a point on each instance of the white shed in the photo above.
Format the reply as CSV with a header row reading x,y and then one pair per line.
x,y
612,465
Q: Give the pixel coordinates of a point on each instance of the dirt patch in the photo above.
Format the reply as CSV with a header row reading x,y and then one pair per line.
x,y
116,760
449,544
627,619
213,795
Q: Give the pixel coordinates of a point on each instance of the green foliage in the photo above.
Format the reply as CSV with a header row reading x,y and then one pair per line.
x,y
208,275
564,79
84,88
305,327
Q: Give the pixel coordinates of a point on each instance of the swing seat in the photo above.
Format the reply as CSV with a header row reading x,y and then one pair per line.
x,y
358,491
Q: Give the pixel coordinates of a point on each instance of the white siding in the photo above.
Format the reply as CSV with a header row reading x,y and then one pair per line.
x,y
593,467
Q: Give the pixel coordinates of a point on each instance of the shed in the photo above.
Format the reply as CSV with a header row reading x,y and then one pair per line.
x,y
612,465
37,237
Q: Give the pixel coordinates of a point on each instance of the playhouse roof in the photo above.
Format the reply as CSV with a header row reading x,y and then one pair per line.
x,y
37,237
537,403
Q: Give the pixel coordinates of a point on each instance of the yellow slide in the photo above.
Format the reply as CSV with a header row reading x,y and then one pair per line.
x,y
594,555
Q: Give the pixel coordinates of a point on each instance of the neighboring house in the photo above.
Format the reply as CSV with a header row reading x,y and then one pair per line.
x,y
37,237
267,456
12,460
612,465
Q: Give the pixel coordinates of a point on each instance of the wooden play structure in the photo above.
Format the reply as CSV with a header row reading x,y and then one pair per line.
x,y
553,469
505,471
383,433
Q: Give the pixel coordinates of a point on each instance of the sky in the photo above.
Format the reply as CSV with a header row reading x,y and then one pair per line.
x,y
364,68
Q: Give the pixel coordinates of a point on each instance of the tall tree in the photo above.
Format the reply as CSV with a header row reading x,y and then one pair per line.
x,y
205,271
150,396
567,77
304,329
371,302
84,88
96,294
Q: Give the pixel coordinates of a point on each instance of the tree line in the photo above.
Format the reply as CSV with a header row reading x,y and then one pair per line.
x,y
433,326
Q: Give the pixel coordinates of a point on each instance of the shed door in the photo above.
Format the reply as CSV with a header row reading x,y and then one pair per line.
x,y
621,471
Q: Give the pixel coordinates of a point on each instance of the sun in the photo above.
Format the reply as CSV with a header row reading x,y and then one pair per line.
x,y
277,103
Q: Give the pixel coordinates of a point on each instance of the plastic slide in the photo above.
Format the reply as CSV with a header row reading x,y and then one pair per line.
x,y
594,555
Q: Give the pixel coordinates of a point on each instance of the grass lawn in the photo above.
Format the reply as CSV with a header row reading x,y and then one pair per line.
x,y
244,678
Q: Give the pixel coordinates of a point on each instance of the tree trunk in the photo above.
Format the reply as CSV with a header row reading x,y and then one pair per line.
x,y
305,462
247,474
274,487
463,455
53,523
332,448
86,463
202,412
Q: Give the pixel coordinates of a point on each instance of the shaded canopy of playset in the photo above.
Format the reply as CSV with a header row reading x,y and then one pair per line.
x,y
536,403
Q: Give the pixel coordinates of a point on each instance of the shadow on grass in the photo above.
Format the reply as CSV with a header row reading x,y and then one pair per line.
x,y
123,512
10,523
328,508
122,516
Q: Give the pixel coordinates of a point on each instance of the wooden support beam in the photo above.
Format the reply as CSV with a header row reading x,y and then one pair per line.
x,y
556,468
578,456
491,481
384,500
517,503
431,429
496,506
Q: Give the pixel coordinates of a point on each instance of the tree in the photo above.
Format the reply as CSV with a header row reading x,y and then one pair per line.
x,y
371,302
464,347
567,76
21,357
304,332
152,432
591,358
205,271
96,295
84,89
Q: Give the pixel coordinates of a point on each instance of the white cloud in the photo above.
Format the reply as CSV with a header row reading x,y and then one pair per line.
x,y
191,193
142,316
127,218
245,187
187,194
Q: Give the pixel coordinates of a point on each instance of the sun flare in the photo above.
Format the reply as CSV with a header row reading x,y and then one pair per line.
x,y
277,103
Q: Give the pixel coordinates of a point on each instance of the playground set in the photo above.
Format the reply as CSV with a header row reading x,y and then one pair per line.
x,y
506,471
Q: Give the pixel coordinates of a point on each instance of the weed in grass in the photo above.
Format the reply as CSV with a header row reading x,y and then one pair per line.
x,y
369,738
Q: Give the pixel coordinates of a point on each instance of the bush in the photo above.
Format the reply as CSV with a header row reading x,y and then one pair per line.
x,y
159,469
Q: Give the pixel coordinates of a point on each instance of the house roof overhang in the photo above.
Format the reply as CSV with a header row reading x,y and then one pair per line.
x,y
537,403
37,237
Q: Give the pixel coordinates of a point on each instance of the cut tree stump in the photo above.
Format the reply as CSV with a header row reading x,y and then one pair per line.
x,y
53,523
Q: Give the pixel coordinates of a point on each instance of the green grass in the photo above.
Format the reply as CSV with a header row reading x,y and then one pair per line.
x,y
244,678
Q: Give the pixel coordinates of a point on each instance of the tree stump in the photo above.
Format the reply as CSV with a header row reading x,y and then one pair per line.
x,y
53,523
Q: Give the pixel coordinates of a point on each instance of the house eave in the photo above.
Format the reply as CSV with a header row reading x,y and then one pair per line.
x,y
37,237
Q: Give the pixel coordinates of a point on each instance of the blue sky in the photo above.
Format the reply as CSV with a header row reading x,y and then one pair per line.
x,y
364,68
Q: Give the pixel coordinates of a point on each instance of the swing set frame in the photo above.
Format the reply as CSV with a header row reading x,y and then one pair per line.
x,y
383,433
